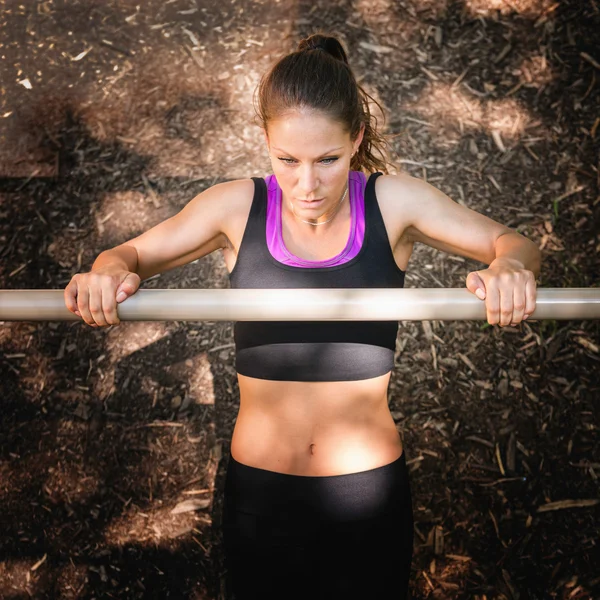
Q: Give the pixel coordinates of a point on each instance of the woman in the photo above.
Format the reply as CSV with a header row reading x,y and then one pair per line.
x,y
317,496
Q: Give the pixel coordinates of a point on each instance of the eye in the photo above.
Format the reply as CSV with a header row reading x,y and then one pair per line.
x,y
325,161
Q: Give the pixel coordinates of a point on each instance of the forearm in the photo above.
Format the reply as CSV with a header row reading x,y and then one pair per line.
x,y
120,256
514,246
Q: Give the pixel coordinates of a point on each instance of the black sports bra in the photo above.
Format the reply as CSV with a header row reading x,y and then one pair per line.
x,y
315,350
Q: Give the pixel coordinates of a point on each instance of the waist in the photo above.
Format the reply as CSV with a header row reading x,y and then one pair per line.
x,y
315,428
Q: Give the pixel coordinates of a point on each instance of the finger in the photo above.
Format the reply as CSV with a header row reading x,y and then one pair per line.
x,y
518,303
128,287
506,306
83,295
492,305
96,306
476,285
530,296
109,304
71,293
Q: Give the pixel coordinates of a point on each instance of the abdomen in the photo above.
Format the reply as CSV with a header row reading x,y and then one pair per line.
x,y
315,428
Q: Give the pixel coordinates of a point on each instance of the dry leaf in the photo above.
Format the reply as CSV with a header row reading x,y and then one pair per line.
x,y
376,48
190,505
560,504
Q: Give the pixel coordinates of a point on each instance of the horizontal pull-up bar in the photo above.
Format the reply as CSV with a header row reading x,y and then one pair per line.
x,y
366,304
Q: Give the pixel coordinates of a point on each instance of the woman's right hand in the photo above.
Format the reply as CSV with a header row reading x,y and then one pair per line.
x,y
94,296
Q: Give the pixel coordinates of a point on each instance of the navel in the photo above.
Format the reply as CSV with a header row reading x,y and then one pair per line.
x,y
312,448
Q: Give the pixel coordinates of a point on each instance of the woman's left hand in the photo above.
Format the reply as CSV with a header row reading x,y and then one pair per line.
x,y
509,291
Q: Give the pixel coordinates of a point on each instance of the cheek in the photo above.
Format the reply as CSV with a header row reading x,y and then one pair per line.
x,y
335,176
284,176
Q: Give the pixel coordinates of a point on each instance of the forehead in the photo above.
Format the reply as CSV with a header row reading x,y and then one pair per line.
x,y
306,130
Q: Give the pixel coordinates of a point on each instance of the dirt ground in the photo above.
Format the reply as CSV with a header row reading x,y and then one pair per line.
x,y
114,443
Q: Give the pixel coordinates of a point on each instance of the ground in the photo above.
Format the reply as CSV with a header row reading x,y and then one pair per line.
x,y
114,442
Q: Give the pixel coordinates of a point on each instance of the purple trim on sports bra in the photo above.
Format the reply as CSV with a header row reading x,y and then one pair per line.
x,y
356,192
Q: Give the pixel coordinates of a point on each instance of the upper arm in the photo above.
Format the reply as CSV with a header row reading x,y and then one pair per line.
x,y
197,230
422,213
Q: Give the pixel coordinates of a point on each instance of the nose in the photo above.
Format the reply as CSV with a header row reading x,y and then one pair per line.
x,y
308,181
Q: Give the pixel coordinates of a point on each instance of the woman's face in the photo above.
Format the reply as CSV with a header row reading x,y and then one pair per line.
x,y
310,154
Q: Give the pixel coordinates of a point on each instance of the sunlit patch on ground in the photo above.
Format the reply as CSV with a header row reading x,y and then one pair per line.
x,y
157,525
527,8
119,216
455,112
172,121
19,577
197,372
133,336
535,71
378,12
372,11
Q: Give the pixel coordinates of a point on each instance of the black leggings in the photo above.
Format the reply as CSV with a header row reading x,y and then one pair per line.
x,y
336,537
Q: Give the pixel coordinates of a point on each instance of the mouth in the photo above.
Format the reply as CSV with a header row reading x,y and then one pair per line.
x,y
310,203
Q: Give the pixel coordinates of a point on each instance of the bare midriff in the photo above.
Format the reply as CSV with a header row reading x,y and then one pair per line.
x,y
315,428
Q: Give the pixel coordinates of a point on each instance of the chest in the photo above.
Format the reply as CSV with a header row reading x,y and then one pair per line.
x,y
316,245
321,249
377,256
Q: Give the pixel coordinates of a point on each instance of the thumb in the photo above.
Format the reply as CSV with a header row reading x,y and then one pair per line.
x,y
475,285
128,286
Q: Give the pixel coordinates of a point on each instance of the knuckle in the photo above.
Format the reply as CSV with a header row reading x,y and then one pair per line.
x,y
96,278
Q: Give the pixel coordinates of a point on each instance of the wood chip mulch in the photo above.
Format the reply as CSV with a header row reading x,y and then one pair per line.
x,y
113,443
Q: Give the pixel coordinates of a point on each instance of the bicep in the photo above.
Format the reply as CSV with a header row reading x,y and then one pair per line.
x,y
197,230
432,218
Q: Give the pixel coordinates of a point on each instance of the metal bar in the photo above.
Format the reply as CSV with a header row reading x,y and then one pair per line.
x,y
412,304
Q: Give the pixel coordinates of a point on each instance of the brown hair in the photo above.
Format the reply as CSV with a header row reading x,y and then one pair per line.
x,y
317,76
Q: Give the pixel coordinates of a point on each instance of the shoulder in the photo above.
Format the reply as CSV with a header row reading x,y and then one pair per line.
x,y
220,205
411,199
399,186
399,196
234,193
231,202
223,200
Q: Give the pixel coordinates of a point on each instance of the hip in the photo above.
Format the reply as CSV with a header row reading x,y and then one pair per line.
x,y
361,496
344,536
